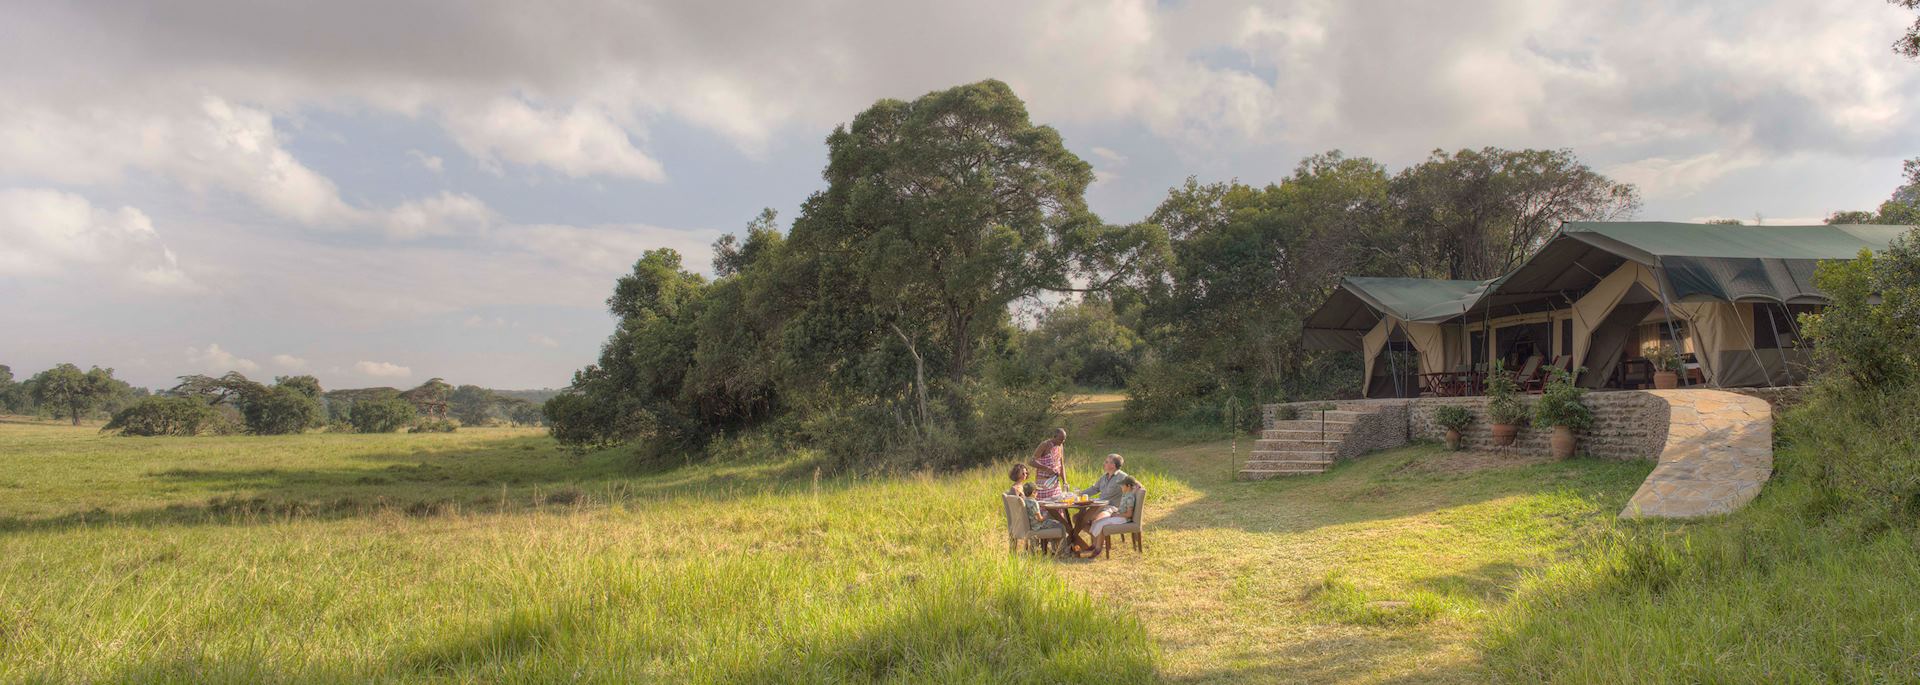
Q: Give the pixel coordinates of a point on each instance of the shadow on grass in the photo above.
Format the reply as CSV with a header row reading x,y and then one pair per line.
x,y
1373,487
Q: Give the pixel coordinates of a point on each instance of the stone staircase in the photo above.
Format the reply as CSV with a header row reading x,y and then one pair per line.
x,y
1301,446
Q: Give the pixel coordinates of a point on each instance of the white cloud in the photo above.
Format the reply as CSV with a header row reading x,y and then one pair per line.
x,y
542,340
1665,177
382,369
1109,156
577,141
204,146
429,162
289,362
443,214
48,233
214,360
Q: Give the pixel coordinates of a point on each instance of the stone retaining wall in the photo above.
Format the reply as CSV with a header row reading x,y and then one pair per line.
x,y
1627,424
1385,428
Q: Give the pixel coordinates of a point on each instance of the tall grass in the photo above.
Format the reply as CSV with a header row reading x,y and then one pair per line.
x,y
742,572
1813,582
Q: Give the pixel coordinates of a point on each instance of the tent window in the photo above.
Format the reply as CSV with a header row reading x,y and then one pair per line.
x,y
1776,326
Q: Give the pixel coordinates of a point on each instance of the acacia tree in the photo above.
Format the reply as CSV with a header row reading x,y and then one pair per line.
x,y
290,405
67,387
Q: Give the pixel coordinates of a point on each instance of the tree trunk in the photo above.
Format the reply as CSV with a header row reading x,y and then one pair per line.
x,y
74,409
919,377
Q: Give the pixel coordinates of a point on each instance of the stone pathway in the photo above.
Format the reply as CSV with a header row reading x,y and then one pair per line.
x,y
1719,452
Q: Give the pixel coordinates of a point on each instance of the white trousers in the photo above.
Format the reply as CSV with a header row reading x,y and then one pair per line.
x,y
1101,525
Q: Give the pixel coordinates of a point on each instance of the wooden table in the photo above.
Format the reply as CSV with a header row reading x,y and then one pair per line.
x,y
1067,510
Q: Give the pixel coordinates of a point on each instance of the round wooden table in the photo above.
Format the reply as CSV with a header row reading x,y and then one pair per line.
x,y
1067,510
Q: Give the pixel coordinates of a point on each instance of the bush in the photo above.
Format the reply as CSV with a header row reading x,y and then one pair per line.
x,y
381,416
165,416
1453,417
280,410
434,426
1864,337
1503,397
1559,403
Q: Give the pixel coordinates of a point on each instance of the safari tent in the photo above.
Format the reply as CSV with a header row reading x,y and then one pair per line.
x,y
1603,295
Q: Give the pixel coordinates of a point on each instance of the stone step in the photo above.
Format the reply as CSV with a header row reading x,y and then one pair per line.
x,y
1330,434
1263,474
1331,415
1295,443
1305,424
1294,463
1258,455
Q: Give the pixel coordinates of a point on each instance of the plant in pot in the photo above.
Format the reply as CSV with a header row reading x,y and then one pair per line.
x,y
1667,366
1560,407
1504,408
1455,419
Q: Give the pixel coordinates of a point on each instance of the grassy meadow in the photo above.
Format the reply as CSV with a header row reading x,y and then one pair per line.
x,y
491,555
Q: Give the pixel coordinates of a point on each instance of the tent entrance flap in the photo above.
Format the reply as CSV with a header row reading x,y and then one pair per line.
x,y
1608,343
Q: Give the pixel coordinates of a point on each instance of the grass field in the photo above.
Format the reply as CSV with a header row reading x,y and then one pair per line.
x,y
491,555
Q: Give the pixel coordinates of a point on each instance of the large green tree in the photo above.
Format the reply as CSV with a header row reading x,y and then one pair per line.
x,y
1248,264
1476,214
65,388
880,311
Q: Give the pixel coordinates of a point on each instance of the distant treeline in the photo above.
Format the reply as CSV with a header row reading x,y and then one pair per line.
x,y
233,403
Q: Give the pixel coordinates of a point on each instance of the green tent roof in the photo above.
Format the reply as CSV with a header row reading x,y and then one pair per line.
x,y
1413,299
1673,239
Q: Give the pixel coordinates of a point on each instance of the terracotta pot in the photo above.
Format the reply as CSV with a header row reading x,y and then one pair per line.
x,y
1562,442
1453,439
1503,433
1665,380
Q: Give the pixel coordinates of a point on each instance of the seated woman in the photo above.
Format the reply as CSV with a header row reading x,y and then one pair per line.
x,y
1117,511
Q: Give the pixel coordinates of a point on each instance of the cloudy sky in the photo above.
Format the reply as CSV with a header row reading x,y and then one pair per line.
x,y
380,192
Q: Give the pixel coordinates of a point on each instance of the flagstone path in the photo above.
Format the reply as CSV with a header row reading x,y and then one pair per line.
x,y
1719,452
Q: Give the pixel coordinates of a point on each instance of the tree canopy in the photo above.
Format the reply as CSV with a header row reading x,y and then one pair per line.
x,y
66,389
872,326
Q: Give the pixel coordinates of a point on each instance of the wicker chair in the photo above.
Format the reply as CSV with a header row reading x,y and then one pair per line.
x,y
1019,531
1134,525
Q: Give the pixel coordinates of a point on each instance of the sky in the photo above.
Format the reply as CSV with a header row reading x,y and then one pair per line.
x,y
381,192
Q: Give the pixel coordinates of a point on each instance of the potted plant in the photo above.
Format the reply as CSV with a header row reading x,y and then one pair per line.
x,y
1504,409
1455,419
1667,366
1560,407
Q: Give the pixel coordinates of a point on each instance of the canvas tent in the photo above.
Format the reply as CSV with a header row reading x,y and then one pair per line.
x,y
1728,294
1364,314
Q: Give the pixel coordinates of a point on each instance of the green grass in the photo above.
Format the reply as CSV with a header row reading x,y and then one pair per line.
x,y
1793,588
492,555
